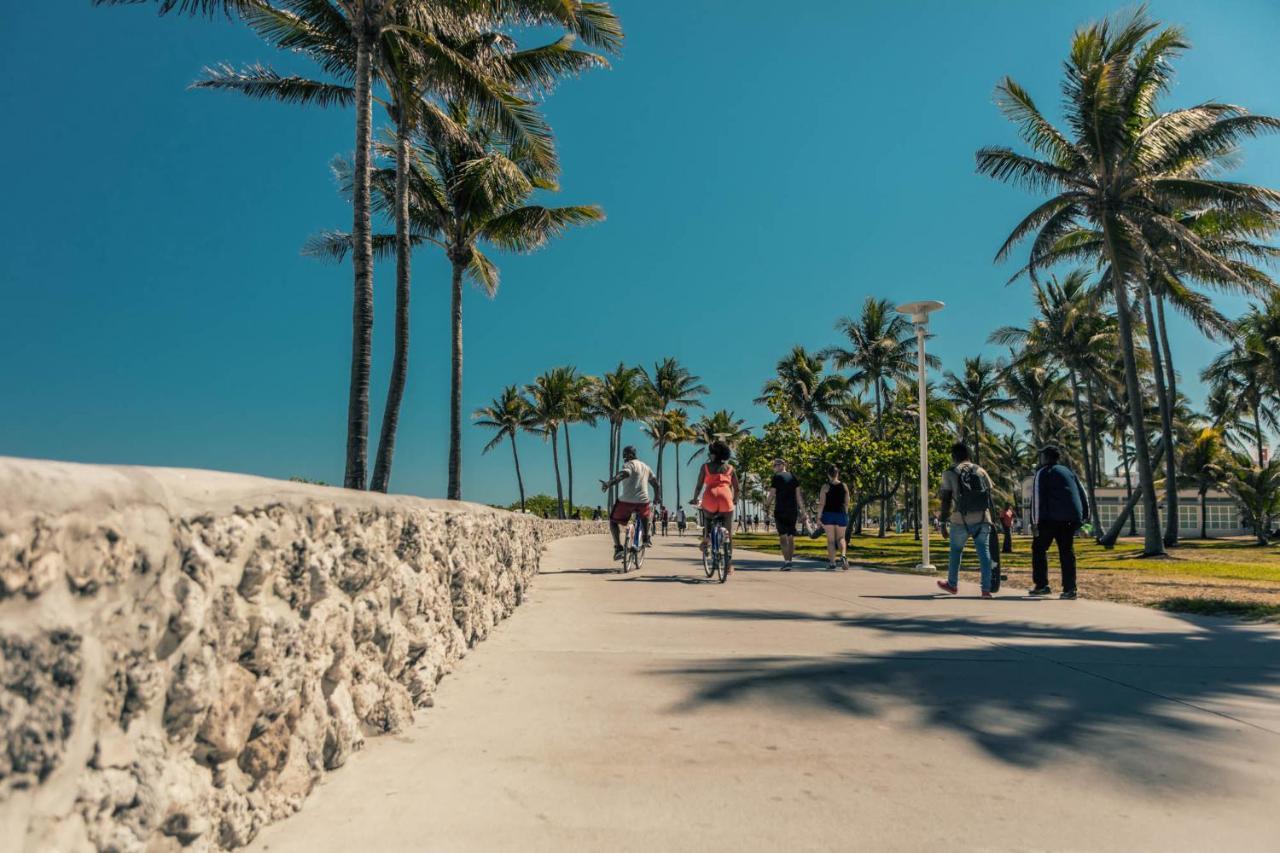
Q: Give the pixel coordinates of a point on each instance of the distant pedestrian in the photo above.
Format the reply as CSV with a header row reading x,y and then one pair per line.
x,y
1058,508
834,500
967,488
595,516
666,516
784,489
1006,523
681,520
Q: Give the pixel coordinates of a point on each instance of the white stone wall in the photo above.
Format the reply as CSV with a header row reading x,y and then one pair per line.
x,y
184,654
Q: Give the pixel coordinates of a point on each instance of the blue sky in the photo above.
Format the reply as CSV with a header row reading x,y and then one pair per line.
x,y
764,167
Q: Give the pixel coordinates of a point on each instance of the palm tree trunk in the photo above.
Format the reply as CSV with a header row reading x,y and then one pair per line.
x,y
455,389
555,462
1153,545
1257,433
400,360
568,456
1128,477
362,262
662,446
678,504
1204,526
1166,424
1085,459
519,479
609,466
884,482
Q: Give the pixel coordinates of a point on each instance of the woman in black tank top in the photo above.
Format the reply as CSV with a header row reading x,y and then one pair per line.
x,y
834,500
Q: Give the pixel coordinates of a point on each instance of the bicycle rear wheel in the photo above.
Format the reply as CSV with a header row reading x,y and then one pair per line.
x,y
708,556
723,568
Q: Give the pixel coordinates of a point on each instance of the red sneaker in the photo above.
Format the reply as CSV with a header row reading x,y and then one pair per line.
x,y
946,587
986,595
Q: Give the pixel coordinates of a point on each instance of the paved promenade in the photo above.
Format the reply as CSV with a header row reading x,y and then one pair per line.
x,y
814,710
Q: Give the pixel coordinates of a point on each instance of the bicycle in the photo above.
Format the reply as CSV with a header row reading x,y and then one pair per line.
x,y
719,551
634,547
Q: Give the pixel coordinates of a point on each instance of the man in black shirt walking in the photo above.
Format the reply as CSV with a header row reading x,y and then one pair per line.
x,y
1058,508
787,500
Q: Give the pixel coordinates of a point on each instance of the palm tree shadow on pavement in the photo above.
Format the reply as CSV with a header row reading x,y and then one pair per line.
x,y
1171,711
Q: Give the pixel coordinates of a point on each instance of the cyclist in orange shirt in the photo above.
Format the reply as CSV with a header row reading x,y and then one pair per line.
x,y
720,482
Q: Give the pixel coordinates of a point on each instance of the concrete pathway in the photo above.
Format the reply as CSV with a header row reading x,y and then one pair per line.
x,y
820,711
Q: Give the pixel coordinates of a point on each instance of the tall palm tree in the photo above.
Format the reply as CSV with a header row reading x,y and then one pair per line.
x,y
977,394
658,429
412,47
507,415
549,407
1040,392
1122,174
811,396
880,347
581,390
678,432
672,384
1070,328
621,396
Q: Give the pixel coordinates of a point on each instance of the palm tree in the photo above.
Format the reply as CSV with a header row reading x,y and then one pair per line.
x,y
809,394
549,407
1012,460
1242,382
413,48
678,432
1205,466
1257,488
1122,175
976,393
721,424
621,396
672,384
1070,328
507,414
881,347
1039,392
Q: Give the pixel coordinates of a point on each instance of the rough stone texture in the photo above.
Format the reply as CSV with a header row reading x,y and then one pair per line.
x,y
184,654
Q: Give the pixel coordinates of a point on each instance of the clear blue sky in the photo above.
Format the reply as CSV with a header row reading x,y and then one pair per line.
x,y
764,167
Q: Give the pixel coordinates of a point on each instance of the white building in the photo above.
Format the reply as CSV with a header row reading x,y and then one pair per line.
x,y
1224,514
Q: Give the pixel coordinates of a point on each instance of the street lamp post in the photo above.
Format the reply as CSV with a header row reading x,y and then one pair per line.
x,y
919,313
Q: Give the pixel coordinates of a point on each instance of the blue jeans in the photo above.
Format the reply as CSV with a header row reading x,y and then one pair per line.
x,y
959,536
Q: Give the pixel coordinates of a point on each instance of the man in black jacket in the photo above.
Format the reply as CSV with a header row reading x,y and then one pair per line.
x,y
1058,508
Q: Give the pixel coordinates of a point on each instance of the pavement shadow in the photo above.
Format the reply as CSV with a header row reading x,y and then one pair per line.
x,y
1153,707
687,579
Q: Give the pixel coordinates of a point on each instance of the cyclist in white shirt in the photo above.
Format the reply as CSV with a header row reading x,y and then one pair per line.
x,y
636,478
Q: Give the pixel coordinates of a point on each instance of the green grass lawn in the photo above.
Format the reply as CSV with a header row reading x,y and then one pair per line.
x,y
1236,559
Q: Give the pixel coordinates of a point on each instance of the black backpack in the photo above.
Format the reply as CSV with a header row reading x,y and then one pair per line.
x,y
973,492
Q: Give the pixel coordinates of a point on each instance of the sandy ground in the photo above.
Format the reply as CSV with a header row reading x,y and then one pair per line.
x,y
816,711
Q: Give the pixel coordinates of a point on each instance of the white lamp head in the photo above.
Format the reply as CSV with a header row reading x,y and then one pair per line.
x,y
920,310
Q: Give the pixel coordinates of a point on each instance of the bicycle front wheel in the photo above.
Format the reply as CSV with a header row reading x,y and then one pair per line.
x,y
638,557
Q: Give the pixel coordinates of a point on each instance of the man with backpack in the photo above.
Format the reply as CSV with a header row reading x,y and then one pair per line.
x,y
1058,508
966,500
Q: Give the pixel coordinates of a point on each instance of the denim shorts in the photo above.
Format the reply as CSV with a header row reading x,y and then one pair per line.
x,y
836,519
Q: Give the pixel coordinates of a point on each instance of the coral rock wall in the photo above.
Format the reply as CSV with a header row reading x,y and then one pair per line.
x,y
183,654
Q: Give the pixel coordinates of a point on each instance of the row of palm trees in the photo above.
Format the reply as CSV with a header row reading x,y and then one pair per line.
x,y
464,150
1135,192
659,399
